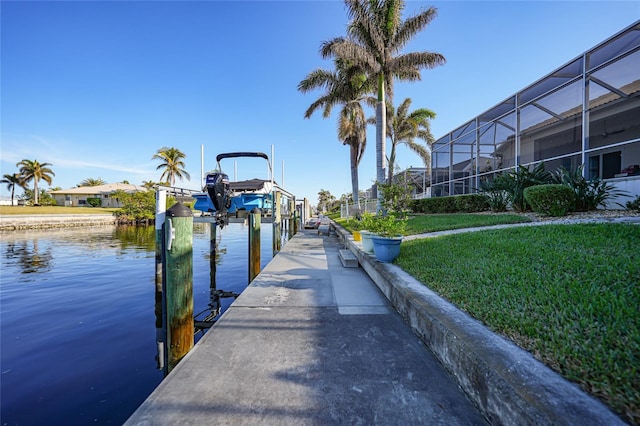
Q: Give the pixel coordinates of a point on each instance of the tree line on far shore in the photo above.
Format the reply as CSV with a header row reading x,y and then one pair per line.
x,y
171,163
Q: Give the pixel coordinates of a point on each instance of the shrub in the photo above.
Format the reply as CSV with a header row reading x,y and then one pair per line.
x,y
355,224
589,194
137,206
471,203
634,205
94,202
435,205
550,200
514,183
396,197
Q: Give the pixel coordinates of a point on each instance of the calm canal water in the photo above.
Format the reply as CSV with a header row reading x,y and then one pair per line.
x,y
78,333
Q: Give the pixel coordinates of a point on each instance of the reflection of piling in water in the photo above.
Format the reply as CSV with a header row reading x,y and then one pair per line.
x,y
161,206
178,283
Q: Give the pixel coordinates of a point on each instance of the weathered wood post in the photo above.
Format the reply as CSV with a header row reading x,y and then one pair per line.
x,y
277,218
254,243
292,218
178,283
161,207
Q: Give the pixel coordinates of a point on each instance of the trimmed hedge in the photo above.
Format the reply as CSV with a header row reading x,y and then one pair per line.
x,y
453,204
550,200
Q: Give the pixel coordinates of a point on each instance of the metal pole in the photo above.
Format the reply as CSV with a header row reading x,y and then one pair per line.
x,y
254,243
178,283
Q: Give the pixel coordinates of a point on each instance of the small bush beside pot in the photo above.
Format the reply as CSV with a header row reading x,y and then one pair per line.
x,y
355,226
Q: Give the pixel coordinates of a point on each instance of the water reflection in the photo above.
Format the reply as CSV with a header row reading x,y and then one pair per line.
x,y
32,251
29,256
205,319
77,343
136,236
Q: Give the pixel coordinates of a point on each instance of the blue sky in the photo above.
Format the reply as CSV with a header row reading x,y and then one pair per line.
x,y
96,88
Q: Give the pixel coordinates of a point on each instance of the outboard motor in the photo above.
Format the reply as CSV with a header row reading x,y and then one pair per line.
x,y
217,185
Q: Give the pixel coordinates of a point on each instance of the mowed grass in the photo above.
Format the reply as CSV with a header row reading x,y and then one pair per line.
x,y
440,222
33,210
566,293
421,224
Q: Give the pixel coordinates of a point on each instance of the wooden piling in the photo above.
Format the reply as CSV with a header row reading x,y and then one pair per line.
x,y
277,225
254,243
178,283
292,219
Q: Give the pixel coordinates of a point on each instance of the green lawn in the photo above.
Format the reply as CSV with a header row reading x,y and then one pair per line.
x,y
441,222
12,210
421,224
566,293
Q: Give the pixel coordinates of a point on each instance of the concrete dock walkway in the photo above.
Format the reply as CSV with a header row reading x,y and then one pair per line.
x,y
309,342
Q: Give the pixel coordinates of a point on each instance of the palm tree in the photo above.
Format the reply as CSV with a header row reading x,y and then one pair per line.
x,y
344,86
34,170
173,164
149,184
376,36
325,198
92,182
12,181
403,127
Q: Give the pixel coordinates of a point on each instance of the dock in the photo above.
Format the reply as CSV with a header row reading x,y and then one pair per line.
x,y
309,342
313,342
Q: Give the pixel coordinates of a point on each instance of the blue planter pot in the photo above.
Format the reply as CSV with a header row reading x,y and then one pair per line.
x,y
386,249
367,243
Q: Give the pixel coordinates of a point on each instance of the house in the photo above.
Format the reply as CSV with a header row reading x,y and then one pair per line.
x,y
587,112
80,196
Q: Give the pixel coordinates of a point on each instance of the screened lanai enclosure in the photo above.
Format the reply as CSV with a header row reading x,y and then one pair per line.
x,y
586,112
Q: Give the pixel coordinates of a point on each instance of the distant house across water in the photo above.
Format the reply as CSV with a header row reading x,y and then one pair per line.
x,y
82,196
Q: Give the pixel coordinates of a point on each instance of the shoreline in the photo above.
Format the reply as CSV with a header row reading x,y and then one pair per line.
x,y
48,221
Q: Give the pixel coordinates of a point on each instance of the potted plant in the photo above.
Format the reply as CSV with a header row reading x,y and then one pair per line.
x,y
387,237
355,225
368,224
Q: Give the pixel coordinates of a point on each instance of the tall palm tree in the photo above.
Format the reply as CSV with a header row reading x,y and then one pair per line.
x,y
376,36
12,181
172,163
403,127
345,86
34,170
92,182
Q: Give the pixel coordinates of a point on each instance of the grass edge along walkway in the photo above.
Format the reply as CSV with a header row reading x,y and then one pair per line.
x,y
568,294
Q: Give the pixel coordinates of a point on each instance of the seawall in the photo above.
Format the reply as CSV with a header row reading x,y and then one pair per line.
x,y
13,222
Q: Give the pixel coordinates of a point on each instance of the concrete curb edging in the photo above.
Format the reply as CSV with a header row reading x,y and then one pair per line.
x,y
505,382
